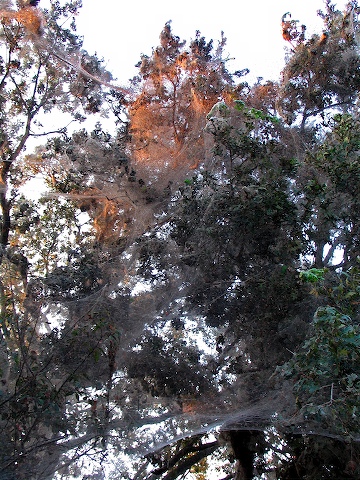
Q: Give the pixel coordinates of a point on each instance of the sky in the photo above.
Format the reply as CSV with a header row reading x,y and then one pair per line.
x,y
120,31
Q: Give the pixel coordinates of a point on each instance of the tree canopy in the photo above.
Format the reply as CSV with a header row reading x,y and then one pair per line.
x,y
182,297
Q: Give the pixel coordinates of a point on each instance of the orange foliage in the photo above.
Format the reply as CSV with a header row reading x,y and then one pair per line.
x,y
286,31
290,30
157,141
109,217
189,405
30,18
199,104
323,38
104,222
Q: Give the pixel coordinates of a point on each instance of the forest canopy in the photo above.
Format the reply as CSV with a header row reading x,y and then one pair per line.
x,y
181,299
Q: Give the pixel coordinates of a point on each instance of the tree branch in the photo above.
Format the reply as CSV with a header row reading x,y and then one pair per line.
x,y
188,462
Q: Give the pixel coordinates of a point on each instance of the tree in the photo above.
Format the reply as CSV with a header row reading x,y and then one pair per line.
x,y
304,94
177,87
184,297
252,237
40,241
332,171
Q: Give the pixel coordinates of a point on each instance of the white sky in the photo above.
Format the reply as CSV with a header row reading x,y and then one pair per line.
x,y
119,31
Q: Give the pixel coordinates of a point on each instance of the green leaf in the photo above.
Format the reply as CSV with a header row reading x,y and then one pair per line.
x,y
313,275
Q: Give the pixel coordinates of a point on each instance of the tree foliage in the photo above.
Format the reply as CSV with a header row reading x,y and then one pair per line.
x,y
183,297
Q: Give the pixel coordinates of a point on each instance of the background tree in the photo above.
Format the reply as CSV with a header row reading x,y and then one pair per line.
x,y
177,86
41,243
307,89
169,327
252,237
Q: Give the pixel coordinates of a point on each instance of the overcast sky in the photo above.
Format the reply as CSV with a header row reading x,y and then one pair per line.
x,y
119,31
